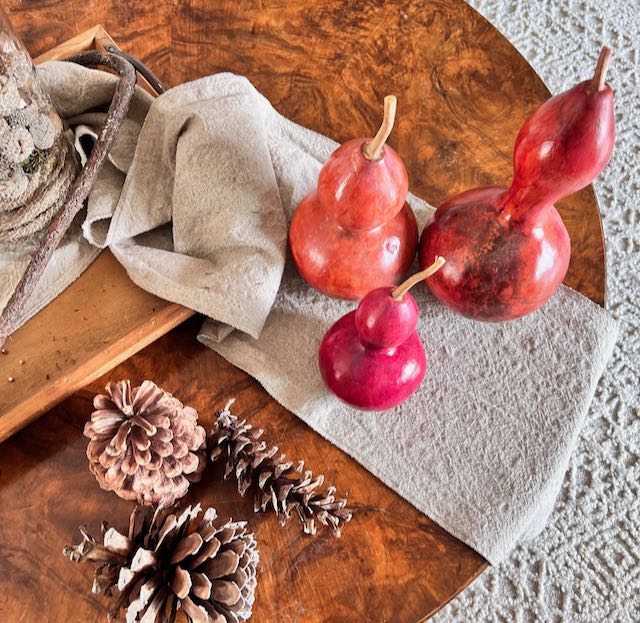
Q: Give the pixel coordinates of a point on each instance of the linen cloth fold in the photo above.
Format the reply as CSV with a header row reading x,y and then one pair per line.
x,y
201,220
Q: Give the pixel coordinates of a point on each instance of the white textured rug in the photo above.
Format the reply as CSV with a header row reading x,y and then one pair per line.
x,y
585,566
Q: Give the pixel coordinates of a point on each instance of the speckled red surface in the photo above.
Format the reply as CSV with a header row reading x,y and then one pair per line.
x,y
507,250
347,264
494,270
355,233
369,378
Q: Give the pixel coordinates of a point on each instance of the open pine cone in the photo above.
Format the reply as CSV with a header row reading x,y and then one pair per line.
x,y
278,484
145,444
167,562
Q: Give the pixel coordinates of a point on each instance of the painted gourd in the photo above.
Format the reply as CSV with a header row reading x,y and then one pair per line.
x,y
356,231
373,358
507,249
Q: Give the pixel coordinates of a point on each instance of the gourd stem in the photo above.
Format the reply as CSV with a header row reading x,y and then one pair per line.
x,y
601,69
403,288
373,149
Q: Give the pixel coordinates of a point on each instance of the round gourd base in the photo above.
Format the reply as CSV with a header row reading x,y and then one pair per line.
x,y
347,264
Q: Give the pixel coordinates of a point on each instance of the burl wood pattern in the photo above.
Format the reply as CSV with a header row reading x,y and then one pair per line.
x,y
463,90
463,93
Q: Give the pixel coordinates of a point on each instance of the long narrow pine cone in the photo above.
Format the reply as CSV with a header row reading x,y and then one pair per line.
x,y
168,562
279,484
145,445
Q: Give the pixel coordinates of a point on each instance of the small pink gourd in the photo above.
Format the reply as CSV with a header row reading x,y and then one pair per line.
x,y
372,358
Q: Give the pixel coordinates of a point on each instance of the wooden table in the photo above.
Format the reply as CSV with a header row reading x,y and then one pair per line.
x,y
463,93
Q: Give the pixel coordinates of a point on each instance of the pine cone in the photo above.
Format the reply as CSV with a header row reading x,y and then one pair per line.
x,y
15,62
23,116
13,180
17,145
279,484
145,444
169,562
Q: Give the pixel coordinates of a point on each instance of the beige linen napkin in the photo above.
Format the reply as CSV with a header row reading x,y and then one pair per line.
x,y
481,448
204,165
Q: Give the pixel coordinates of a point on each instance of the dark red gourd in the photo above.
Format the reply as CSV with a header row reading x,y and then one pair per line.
x,y
356,232
372,358
507,249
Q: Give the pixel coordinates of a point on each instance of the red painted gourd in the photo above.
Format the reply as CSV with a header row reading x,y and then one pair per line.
x,y
507,249
356,232
373,358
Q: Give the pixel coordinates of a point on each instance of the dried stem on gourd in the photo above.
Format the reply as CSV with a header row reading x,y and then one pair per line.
x,y
373,149
602,66
403,288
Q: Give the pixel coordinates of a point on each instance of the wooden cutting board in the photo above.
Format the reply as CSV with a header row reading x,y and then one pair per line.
x,y
99,321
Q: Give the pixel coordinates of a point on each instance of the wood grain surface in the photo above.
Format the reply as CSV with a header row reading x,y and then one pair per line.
x,y
92,326
391,564
463,90
463,93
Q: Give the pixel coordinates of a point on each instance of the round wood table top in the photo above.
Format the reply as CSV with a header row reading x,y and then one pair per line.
x,y
463,93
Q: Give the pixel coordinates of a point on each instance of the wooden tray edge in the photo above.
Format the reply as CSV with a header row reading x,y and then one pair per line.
x,y
166,315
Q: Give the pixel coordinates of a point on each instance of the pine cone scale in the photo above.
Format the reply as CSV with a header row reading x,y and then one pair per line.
x,y
152,612
117,543
224,564
143,559
119,443
115,476
208,551
225,592
126,578
197,613
144,443
140,439
201,586
144,424
151,588
187,547
159,420
180,449
147,396
96,448
103,421
162,448
104,403
120,391
181,584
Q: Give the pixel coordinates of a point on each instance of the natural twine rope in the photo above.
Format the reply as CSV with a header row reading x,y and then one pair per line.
x,y
37,160
29,213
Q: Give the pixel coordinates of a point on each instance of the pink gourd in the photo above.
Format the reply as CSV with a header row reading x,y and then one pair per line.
x,y
373,358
